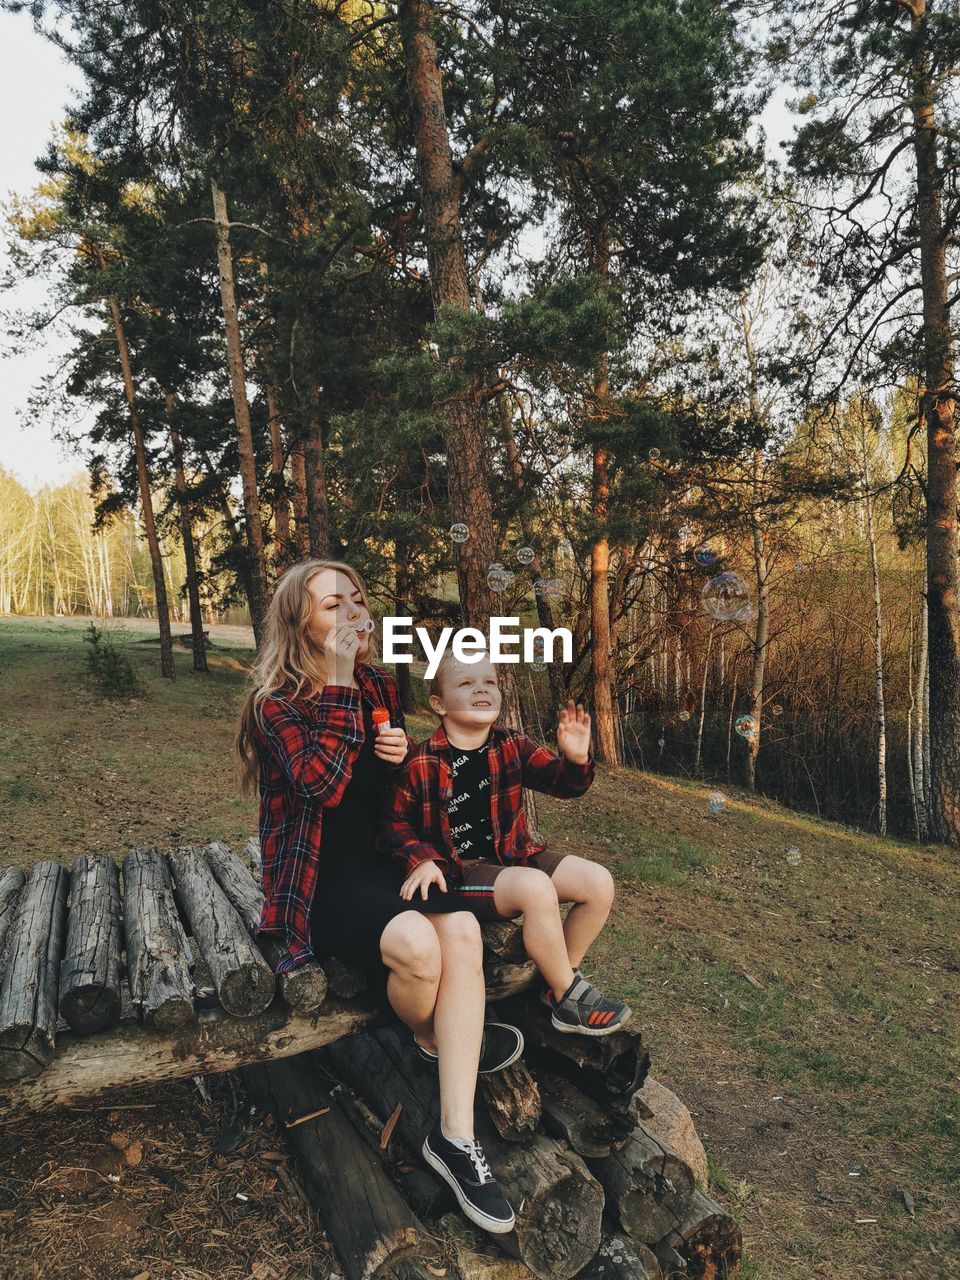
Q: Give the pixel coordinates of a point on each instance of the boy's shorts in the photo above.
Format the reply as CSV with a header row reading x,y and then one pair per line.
x,y
479,875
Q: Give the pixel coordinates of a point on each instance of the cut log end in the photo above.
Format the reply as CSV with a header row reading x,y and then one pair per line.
x,y
305,989
247,990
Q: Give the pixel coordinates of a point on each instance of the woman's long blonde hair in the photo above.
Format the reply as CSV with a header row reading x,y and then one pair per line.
x,y
288,658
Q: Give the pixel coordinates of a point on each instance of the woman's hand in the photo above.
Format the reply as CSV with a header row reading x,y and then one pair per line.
x,y
422,877
391,745
340,651
573,733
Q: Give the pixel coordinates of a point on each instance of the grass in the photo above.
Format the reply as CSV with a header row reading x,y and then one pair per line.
x,y
806,1015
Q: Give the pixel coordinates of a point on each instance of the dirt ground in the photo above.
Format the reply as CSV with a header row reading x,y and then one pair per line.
x,y
807,1015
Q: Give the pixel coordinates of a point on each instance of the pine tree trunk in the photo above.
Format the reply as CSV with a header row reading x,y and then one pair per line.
x,y
258,599
601,669
167,668
402,608
278,486
318,510
298,486
880,704
536,568
470,499
938,411
468,479
761,635
910,734
189,553
921,750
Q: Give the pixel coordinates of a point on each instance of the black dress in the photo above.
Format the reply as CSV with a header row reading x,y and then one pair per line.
x,y
358,889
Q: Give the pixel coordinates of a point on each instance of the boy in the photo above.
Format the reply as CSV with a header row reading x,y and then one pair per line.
x,y
456,812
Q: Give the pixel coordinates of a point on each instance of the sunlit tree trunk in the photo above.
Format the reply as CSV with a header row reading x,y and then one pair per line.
x,y
186,534
259,592
938,407
167,668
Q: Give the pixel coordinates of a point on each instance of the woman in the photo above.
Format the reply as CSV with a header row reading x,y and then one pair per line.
x,y
307,739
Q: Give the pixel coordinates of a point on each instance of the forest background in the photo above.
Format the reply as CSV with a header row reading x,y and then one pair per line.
x,y
340,278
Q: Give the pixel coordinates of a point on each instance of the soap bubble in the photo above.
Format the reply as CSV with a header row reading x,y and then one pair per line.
x,y
799,567
716,802
683,715
366,626
539,660
459,532
746,726
565,547
709,552
793,856
727,598
684,533
776,709
548,587
525,555
661,742
498,578
654,455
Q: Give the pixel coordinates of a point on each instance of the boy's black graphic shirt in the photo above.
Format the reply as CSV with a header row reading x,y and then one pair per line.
x,y
469,805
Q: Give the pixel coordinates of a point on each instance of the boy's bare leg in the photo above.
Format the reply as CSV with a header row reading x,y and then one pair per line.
x,y
590,887
531,891
458,1018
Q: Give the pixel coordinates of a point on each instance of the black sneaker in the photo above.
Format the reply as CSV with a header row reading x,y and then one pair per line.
x,y
546,993
502,1044
584,1011
466,1170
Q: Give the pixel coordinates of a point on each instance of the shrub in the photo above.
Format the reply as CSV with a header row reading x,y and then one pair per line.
x,y
109,667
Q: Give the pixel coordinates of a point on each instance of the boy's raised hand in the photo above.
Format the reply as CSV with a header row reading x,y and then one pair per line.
x,y
573,732
423,875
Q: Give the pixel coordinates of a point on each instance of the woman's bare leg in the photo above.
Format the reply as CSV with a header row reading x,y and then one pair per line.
x,y
590,887
410,949
436,986
530,890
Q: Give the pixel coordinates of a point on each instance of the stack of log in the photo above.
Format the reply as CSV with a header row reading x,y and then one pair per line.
x,y
101,988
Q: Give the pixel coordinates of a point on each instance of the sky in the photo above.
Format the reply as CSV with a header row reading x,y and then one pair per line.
x,y
35,86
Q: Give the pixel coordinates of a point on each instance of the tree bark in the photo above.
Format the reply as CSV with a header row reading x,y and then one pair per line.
x,y
189,552
12,881
305,988
301,516
705,1245
90,973
648,1187
28,992
133,1054
557,1203
167,668
606,748
879,701
468,479
375,1233
158,956
259,596
245,983
318,510
938,407
761,635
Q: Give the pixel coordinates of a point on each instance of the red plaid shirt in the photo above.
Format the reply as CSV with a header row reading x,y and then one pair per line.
x,y
417,827
306,760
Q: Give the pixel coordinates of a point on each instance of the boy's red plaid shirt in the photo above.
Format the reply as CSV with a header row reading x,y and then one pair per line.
x,y
417,827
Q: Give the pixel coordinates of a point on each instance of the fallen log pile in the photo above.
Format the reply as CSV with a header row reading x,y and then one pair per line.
x,y
101,988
